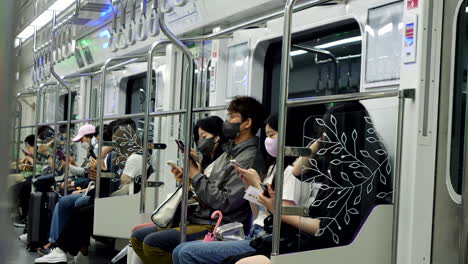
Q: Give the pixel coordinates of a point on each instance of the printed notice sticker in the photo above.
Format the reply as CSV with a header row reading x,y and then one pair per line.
x,y
252,193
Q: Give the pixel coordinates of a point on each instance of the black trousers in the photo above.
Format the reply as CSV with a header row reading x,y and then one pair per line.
x,y
78,230
20,194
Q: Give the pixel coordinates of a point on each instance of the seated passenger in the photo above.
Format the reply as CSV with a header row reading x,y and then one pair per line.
x,y
20,192
216,252
131,171
78,198
354,167
26,164
208,135
88,137
222,191
20,189
68,211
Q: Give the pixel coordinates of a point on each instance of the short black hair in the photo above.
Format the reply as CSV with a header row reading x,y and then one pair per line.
x,y
106,134
122,122
248,107
63,128
29,140
45,132
211,124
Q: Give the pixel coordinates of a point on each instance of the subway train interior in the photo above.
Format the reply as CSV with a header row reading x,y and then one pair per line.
x,y
320,131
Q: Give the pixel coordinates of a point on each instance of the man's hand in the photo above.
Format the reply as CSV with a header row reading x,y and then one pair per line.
x,y
248,177
178,174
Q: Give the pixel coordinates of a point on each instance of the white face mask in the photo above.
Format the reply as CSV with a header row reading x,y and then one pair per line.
x,y
85,145
94,142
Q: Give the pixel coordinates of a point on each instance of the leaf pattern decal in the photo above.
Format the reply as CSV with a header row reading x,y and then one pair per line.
x,y
358,166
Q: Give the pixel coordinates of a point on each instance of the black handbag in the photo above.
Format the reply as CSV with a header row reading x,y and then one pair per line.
x,y
291,239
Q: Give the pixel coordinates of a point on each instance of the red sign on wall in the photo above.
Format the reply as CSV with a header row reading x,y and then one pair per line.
x,y
412,4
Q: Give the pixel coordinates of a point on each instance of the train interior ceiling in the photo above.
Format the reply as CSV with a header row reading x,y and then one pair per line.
x,y
373,150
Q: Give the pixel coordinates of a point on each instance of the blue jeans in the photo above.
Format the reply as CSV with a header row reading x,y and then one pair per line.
x,y
62,212
214,252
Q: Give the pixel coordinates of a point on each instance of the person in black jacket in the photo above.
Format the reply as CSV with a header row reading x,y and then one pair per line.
x,y
223,190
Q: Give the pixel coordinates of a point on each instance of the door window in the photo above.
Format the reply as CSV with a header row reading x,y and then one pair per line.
x,y
458,138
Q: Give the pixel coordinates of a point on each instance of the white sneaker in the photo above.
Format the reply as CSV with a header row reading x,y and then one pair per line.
x,y
56,256
24,238
81,259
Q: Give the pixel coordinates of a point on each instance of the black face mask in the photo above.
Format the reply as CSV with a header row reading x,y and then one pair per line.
x,y
231,130
206,145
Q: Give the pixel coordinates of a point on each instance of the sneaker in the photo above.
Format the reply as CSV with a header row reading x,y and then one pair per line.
x,y
56,256
44,251
24,238
20,223
81,259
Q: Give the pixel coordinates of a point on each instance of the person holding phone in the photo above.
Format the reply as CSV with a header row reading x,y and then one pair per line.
x,y
223,190
216,252
209,137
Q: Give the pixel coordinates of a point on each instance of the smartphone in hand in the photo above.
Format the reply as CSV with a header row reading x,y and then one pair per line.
x,y
172,164
92,154
265,190
235,163
25,152
181,146
60,155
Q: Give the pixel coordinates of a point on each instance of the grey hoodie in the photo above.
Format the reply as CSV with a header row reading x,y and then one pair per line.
x,y
224,190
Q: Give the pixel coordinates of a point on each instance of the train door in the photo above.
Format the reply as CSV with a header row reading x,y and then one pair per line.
x,y
449,243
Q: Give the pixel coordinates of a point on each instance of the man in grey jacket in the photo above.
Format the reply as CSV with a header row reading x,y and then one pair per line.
x,y
223,190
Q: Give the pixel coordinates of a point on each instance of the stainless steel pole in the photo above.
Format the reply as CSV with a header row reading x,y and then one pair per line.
x,y
149,89
64,84
283,108
187,122
54,155
397,178
18,136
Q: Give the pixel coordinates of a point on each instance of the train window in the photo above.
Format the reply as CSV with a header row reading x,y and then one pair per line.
x,y
313,71
458,139
384,31
64,106
136,94
238,70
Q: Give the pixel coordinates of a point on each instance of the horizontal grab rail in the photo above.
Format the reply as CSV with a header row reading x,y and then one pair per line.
x,y
341,98
154,114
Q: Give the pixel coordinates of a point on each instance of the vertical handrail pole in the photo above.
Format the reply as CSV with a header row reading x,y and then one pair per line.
x,y
102,87
187,122
36,127
144,172
56,127
403,94
284,87
64,84
149,90
18,136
